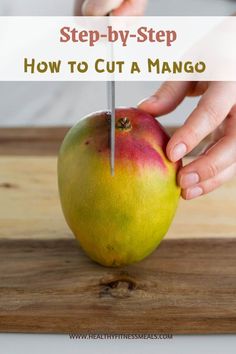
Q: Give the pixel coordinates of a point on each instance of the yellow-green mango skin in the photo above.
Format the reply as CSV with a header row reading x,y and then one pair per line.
x,y
117,219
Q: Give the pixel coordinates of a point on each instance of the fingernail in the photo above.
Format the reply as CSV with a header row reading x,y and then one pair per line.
x,y
149,100
194,192
189,179
178,152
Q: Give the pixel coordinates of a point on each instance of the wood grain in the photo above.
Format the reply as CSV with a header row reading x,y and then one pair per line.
x,y
186,286
48,285
30,206
40,141
45,141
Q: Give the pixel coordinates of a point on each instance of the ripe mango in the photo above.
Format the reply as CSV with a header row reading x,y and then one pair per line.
x,y
117,219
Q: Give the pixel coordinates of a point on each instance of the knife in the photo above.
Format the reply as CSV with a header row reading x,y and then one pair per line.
x,y
111,107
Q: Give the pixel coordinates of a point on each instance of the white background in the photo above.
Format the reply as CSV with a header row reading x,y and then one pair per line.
x,y
198,40
61,344
52,103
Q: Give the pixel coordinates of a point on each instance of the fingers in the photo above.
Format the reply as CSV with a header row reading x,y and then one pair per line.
x,y
212,109
229,127
210,184
219,157
166,98
99,7
131,8
170,95
77,7
217,165
115,7
199,88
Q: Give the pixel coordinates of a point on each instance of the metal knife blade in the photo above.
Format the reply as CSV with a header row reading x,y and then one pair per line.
x,y
111,106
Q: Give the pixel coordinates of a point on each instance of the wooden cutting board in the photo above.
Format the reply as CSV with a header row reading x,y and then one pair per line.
x,y
186,286
48,285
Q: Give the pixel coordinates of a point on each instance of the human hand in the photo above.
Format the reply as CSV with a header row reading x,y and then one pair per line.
x,y
215,112
115,7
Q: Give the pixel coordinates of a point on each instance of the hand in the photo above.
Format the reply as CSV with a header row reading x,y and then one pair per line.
x,y
215,112
115,7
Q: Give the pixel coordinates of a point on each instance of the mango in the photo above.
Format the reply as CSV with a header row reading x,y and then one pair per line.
x,y
120,219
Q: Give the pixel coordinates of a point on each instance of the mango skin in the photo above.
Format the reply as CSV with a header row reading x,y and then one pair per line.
x,y
120,219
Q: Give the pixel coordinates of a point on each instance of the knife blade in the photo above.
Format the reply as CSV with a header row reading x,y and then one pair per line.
x,y
111,107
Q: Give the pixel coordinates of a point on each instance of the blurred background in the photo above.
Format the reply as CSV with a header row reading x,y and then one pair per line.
x,y
64,103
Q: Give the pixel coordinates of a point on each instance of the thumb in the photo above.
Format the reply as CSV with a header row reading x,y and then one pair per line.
x,y
166,98
131,8
99,7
